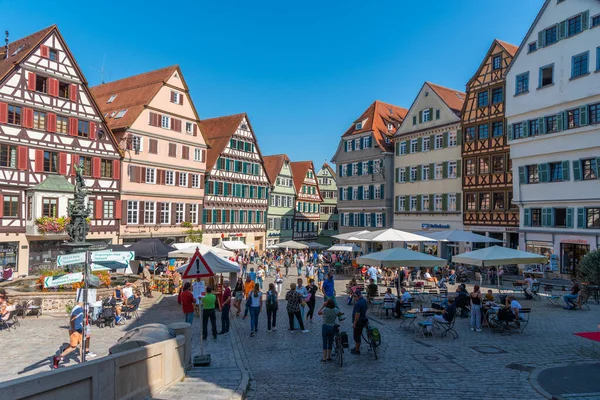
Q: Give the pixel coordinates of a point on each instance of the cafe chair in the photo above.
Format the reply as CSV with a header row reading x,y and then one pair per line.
x,y
552,298
425,326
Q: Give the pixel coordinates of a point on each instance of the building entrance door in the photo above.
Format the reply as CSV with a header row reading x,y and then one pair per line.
x,y
571,255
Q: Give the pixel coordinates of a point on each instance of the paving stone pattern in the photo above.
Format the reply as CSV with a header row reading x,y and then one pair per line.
x,y
474,366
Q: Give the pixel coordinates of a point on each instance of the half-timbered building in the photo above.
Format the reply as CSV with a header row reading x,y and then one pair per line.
x,y
49,122
237,187
328,226
487,178
280,217
156,124
308,201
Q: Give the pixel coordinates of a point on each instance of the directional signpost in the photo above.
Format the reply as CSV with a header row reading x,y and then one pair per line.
x,y
67,279
104,261
70,259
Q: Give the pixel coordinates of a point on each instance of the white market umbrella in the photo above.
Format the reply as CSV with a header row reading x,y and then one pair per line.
x,y
456,235
233,245
350,236
392,235
315,245
216,263
400,257
189,249
290,244
345,247
497,255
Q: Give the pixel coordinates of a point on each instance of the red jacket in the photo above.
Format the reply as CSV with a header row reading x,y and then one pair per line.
x,y
187,301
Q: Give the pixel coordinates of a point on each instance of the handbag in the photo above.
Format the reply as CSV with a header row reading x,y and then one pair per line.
x,y
308,297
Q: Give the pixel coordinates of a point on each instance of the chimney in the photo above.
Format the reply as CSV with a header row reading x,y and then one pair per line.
x,y
6,45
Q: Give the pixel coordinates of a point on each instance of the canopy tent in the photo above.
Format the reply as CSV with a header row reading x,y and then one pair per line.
x,y
316,246
400,257
188,250
233,245
150,250
392,235
117,247
456,235
216,263
350,236
345,247
290,244
497,255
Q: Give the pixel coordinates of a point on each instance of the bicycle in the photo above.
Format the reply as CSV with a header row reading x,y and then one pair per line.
x,y
374,341
338,348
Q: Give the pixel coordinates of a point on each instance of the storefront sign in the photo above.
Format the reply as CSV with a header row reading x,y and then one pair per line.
x,y
274,234
574,240
435,226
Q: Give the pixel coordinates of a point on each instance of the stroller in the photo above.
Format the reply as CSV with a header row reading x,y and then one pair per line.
x,y
107,316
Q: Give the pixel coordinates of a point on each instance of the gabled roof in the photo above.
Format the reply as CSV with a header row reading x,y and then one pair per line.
x,y
452,98
378,116
273,165
330,169
529,31
133,94
27,45
218,131
54,183
299,170
509,48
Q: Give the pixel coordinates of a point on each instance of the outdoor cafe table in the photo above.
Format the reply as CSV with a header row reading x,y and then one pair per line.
x,y
424,310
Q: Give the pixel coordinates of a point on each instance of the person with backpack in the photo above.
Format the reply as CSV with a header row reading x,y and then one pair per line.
x,y
272,307
286,264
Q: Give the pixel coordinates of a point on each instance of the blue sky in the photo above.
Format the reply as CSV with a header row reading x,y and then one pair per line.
x,y
302,71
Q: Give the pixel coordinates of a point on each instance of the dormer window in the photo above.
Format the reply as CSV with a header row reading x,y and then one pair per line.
x,y
120,114
112,98
358,126
390,127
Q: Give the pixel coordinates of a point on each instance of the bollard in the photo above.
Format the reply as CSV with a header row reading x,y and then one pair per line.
x,y
185,329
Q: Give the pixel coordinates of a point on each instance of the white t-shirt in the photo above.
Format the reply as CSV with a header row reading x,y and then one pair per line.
x,y
427,275
127,292
529,283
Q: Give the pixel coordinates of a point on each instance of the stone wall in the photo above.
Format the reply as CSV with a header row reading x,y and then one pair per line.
x,y
133,374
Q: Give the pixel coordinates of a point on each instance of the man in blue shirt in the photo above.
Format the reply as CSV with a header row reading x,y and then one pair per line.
x,y
359,320
75,333
328,288
372,272
252,275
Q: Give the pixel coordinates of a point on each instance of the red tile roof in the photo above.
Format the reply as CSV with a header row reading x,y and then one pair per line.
x,y
510,48
299,170
133,94
273,165
378,116
218,131
28,44
453,98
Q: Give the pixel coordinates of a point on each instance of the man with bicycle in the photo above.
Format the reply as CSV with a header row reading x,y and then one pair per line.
x,y
359,320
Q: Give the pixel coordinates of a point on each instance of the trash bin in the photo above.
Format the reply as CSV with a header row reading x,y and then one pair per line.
x,y
142,336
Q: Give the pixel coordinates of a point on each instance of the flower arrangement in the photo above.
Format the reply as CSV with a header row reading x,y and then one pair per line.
x,y
51,224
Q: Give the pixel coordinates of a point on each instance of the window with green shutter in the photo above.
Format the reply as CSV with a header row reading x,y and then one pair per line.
x,y
414,119
522,176
570,212
566,166
527,217
382,192
581,223
406,203
445,169
577,170
445,140
445,202
419,172
543,171
431,200
360,171
360,193
458,202
419,202
419,145
371,191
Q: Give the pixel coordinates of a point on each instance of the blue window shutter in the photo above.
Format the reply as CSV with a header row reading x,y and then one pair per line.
x,y
351,219
360,193
414,119
345,146
525,129
585,20
510,132
522,176
371,167
542,126
562,30
543,172
551,212
362,219
527,217
540,78
561,121
339,170
570,212
577,170
597,167
360,171
382,193
541,42
370,141
371,192
341,190
566,166
383,220
373,222
581,217
546,216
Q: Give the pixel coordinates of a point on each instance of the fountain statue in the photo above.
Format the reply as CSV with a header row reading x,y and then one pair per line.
x,y
78,212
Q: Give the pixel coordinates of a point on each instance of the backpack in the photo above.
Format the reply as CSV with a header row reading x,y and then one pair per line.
x,y
271,301
376,336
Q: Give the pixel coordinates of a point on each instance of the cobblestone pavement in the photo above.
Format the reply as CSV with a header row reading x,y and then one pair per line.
x,y
474,366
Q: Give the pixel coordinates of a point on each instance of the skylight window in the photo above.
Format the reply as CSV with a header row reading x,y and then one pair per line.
x,y
358,125
120,114
112,98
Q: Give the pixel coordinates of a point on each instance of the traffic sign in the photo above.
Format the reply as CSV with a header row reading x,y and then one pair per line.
x,y
123,256
67,279
108,265
70,259
197,268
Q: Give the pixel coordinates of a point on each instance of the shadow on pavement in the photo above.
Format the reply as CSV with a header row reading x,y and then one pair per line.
x,y
571,380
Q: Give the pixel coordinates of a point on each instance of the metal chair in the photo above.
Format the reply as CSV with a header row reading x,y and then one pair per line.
x,y
34,307
407,317
550,296
11,321
535,291
523,320
425,325
448,328
517,288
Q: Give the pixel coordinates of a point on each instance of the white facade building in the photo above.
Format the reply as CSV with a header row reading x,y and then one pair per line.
x,y
553,116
